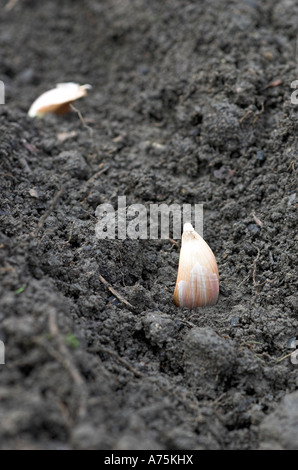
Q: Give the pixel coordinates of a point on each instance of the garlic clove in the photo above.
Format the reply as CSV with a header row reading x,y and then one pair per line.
x,y
197,282
58,99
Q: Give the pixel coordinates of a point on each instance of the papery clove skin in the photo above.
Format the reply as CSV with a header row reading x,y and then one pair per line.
x,y
197,282
58,99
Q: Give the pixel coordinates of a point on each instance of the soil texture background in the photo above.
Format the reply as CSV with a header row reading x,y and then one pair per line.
x,y
190,103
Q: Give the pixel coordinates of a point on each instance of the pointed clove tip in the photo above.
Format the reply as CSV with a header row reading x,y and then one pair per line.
x,y
188,227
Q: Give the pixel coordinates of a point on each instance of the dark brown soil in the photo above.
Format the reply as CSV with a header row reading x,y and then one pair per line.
x,y
190,103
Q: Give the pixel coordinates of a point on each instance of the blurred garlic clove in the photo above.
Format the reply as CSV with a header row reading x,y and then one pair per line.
x,y
58,99
197,282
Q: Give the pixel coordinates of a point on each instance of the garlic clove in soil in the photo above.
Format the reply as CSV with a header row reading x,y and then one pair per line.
x,y
58,99
197,282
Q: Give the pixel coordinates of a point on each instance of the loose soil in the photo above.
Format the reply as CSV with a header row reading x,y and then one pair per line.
x,y
191,103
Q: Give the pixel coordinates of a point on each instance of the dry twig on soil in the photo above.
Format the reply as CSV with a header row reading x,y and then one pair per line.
x,y
47,213
101,349
116,294
61,354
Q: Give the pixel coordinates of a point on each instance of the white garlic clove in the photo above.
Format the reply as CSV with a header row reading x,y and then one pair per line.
x,y
58,99
197,282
